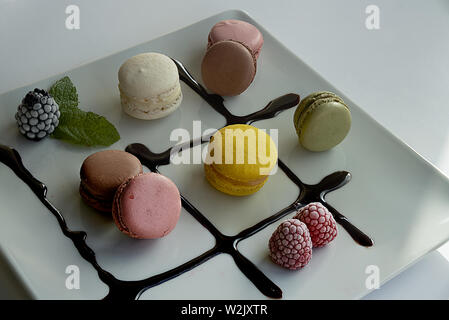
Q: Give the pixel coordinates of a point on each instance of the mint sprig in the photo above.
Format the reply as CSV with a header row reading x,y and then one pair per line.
x,y
85,128
64,93
77,126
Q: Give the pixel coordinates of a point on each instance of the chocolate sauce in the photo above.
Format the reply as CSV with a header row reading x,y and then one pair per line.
x,y
120,289
215,101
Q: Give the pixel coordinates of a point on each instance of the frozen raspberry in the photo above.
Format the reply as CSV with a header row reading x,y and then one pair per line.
x,y
290,245
319,221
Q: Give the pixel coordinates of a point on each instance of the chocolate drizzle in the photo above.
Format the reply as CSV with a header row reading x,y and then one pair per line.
x,y
120,289
271,110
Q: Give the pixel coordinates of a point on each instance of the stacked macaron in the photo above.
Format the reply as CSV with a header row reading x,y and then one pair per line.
x,y
230,63
236,30
322,120
149,86
240,159
143,205
102,173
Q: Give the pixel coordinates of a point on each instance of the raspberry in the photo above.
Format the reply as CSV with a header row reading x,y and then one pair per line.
x,y
290,245
319,221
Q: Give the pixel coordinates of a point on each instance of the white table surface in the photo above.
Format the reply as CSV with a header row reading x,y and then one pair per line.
x,y
399,73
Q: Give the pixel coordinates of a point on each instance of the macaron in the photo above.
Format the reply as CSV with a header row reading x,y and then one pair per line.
x,y
147,206
149,86
240,159
228,68
102,173
322,120
237,30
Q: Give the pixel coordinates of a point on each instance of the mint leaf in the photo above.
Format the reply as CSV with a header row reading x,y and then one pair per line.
x,y
64,93
77,126
85,128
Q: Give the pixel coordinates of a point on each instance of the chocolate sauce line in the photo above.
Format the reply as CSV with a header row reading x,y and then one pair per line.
x,y
248,232
216,102
355,233
130,290
12,159
153,160
228,244
121,289
317,193
223,243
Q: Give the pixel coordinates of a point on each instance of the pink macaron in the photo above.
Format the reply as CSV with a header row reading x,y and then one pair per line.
x,y
237,30
147,206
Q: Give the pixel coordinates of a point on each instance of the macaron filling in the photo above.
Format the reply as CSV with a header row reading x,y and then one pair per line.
x,y
308,104
165,98
154,107
95,196
247,183
104,205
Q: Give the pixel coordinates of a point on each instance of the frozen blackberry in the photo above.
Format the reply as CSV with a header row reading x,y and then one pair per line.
x,y
37,115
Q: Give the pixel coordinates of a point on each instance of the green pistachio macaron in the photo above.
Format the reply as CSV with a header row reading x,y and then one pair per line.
x,y
322,120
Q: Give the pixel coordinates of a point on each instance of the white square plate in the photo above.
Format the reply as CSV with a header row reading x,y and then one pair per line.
x,y
395,196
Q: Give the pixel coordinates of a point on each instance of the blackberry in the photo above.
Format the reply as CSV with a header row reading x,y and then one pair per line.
x,y
37,115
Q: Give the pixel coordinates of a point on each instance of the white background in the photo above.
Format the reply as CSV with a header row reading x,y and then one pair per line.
x,y
399,74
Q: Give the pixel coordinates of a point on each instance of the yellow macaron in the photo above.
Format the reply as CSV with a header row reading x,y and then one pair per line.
x,y
240,159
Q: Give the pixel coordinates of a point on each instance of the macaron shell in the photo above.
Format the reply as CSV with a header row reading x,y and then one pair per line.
x,y
262,151
324,125
228,68
240,179
229,186
148,75
150,110
104,171
237,30
308,101
147,206
149,86
93,202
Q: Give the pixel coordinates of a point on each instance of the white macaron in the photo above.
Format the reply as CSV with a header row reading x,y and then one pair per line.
x,y
149,86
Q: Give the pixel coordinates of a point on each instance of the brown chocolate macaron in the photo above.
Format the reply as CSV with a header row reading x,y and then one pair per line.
x,y
228,68
102,173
